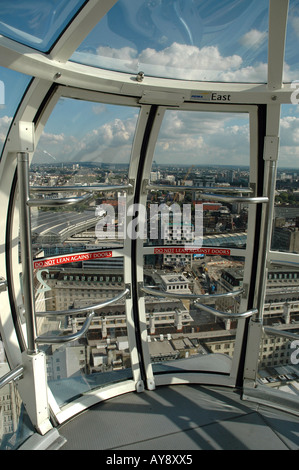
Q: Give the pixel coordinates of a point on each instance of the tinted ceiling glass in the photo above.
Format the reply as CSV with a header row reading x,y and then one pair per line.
x,y
36,24
219,40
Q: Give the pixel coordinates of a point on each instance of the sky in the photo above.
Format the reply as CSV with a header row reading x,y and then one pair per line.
x,y
97,132
191,39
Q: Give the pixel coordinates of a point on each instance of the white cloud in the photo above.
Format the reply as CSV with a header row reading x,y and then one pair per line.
x,y
4,126
124,53
53,138
182,61
203,138
110,142
255,74
289,141
187,62
185,56
289,131
178,60
253,39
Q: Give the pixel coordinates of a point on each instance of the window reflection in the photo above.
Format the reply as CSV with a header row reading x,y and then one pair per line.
x,y
38,26
225,41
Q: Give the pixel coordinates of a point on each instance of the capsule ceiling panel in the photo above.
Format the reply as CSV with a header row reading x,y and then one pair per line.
x,y
191,40
37,24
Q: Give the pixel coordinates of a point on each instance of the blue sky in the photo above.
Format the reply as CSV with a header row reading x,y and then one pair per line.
x,y
219,40
201,40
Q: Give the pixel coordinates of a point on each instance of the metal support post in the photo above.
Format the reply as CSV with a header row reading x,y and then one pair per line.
x,y
33,385
34,392
266,231
26,250
256,322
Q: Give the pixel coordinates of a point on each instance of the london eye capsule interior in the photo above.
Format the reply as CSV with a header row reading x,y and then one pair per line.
x,y
149,212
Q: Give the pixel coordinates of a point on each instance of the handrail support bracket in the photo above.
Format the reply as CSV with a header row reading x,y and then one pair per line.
x,y
33,390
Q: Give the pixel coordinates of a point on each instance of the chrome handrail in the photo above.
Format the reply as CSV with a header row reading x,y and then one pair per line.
x,y
213,311
13,374
215,189
281,333
59,201
220,314
67,338
213,196
95,188
79,311
159,293
284,263
75,336
233,199
3,284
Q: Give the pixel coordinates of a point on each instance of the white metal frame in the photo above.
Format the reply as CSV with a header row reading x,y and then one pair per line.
x,y
246,253
13,349
94,84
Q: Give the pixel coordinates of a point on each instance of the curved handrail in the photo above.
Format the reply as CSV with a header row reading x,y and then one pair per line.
x,y
275,262
159,293
67,338
213,311
79,311
215,189
95,188
13,374
233,199
59,201
220,314
3,284
213,196
284,334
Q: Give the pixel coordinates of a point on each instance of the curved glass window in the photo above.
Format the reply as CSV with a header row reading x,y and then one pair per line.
x,y
37,24
181,333
190,40
217,149
285,235
291,52
93,136
15,423
195,263
12,88
78,261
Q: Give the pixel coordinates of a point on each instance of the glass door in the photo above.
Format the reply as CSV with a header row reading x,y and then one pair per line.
x,y
195,251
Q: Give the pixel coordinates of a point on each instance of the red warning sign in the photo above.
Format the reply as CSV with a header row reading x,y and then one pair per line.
x,y
202,251
43,263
